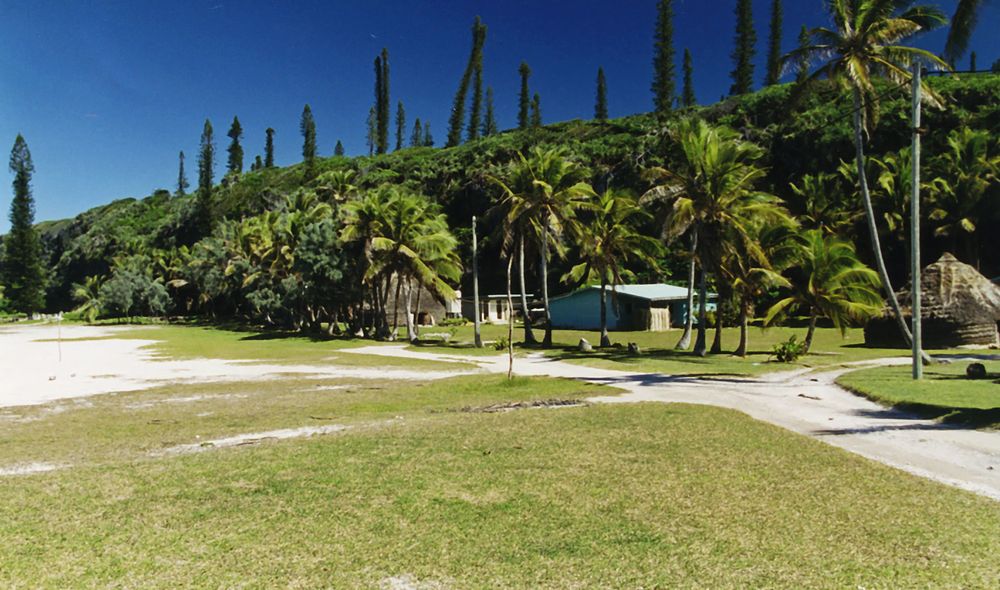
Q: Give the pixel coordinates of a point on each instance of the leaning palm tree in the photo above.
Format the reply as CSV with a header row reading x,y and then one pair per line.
x,y
543,192
861,48
709,195
968,171
828,281
607,243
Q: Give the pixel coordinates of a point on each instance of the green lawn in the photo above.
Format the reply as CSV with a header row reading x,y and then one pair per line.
x,y
659,356
943,393
425,487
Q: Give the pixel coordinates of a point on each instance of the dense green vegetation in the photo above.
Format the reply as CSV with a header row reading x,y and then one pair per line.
x,y
810,145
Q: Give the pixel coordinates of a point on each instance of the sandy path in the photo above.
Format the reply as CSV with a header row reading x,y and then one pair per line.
x,y
807,402
31,371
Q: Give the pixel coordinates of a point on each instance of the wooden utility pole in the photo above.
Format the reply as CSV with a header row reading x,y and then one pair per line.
x,y
475,285
918,365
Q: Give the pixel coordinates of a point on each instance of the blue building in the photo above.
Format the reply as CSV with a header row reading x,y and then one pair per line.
x,y
655,308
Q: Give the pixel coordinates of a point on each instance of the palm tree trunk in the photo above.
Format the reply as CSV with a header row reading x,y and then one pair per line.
x,y
547,341
605,339
717,341
411,334
416,312
510,322
700,343
685,342
870,216
395,307
529,334
741,350
809,335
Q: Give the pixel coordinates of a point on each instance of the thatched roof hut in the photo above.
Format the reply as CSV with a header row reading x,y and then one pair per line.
x,y
959,307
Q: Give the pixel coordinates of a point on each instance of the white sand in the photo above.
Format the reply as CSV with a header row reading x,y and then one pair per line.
x,y
251,438
31,371
807,402
28,469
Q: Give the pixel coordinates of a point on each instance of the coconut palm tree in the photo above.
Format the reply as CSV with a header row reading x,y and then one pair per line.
x,y
542,192
407,239
751,279
963,22
828,281
88,296
864,46
607,242
820,203
969,168
709,195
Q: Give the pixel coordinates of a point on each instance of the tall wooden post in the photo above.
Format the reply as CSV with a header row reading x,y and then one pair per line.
x,y
918,365
475,286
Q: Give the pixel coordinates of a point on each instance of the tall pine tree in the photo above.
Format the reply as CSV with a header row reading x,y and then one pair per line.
x,y
688,98
235,163
428,138
182,181
382,102
206,178
524,98
307,127
417,137
490,120
745,49
601,106
338,150
457,119
400,125
476,112
663,57
972,62
371,134
802,72
23,273
536,111
269,148
258,164
774,45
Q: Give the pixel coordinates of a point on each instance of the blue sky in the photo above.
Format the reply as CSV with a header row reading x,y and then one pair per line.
x,y
107,92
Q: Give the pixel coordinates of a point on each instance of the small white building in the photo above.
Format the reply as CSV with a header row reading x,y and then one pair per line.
x,y
493,309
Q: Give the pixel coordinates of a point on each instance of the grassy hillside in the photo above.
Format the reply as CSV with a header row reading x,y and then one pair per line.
x,y
801,136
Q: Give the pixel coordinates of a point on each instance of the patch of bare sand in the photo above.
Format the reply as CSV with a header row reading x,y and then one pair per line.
x,y
37,369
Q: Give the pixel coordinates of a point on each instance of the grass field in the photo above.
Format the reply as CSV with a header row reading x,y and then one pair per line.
x,y
426,488
943,393
659,356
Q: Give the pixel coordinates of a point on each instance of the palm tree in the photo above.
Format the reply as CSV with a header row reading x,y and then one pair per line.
x,y
542,194
751,279
961,193
710,196
407,239
88,296
820,206
862,47
962,24
609,241
828,281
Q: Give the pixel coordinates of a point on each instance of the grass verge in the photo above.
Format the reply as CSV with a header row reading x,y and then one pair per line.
x,y
944,392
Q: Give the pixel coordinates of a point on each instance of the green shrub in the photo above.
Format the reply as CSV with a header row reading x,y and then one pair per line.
x,y
790,351
501,343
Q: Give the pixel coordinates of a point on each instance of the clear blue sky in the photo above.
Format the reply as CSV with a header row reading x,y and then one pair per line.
x,y
107,92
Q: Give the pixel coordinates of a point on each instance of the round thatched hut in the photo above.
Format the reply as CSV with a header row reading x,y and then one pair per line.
x,y
959,307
